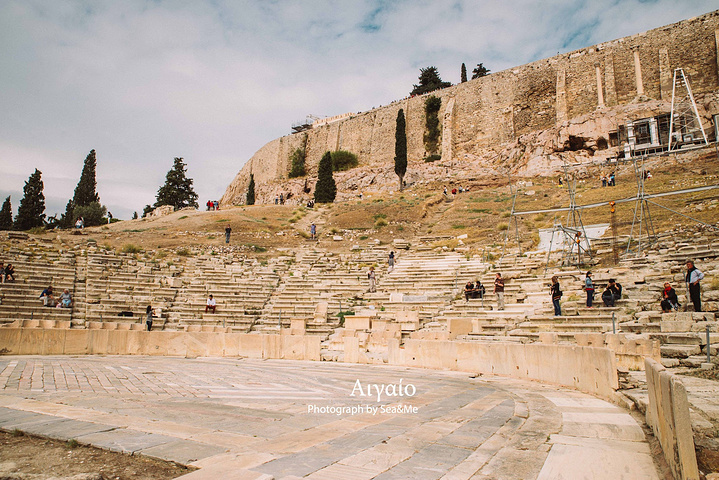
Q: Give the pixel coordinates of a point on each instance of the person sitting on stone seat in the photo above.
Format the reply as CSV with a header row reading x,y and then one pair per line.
x,y
211,304
468,291
616,289
608,297
48,300
669,299
9,273
479,289
65,299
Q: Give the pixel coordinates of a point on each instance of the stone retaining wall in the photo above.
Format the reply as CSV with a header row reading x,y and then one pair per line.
x,y
668,416
592,370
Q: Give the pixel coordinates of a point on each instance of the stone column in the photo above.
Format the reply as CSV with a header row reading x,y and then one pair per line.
x,y
665,75
561,107
600,92
638,73
610,89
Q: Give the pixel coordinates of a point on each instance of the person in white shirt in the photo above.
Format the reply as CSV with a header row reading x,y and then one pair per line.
x,y
211,304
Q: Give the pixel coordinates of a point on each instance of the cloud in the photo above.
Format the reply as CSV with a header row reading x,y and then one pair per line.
x,y
143,82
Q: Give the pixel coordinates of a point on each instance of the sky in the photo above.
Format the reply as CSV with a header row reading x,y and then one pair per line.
x,y
212,81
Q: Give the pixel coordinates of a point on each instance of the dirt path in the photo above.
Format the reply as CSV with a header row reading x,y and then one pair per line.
x,y
33,458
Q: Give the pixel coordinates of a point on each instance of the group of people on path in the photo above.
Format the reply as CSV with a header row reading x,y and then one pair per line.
x,y
608,180
212,205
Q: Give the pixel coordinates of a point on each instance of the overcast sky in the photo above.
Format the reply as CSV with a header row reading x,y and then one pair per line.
x,y
142,82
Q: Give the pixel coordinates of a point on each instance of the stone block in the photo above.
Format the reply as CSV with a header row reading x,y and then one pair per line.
x,y
53,342
232,345
351,348
116,343
455,327
251,346
10,340
271,346
31,341
298,326
76,342
197,344
358,322
548,338
293,347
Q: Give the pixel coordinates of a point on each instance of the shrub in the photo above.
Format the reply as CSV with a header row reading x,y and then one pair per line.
x,y
131,248
183,252
297,162
381,222
93,214
502,226
432,158
343,160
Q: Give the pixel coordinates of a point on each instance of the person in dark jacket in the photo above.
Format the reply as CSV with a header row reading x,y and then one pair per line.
x,y
589,288
556,293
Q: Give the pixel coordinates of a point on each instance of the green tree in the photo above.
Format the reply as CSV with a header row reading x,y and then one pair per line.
x,y
400,148
326,189
480,71
463,77
93,213
177,190
251,190
31,211
431,114
85,192
429,81
297,160
6,215
67,220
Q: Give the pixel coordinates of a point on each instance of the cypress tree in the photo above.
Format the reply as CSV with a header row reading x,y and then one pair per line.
x,y
464,74
326,189
177,190
31,212
85,192
251,190
400,148
6,215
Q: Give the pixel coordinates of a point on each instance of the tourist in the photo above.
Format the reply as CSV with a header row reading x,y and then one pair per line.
x,y
604,180
211,304
612,180
479,289
2,271
228,231
313,231
499,291
390,261
669,299
8,273
560,181
556,293
65,299
217,205
372,280
79,223
47,297
148,321
694,275
608,297
109,217
616,289
589,288
468,291
209,205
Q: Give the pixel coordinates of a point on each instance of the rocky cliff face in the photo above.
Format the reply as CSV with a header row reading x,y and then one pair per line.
x,y
527,120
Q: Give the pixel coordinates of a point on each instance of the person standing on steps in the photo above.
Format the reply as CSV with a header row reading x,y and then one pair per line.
x,y
694,275
556,293
589,288
499,291
390,261
313,231
228,231
148,322
372,280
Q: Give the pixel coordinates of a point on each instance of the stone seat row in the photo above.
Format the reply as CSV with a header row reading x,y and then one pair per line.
x,y
38,324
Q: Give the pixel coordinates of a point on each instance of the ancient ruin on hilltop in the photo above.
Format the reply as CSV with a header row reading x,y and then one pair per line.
x,y
526,119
